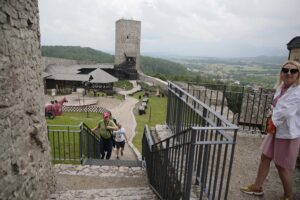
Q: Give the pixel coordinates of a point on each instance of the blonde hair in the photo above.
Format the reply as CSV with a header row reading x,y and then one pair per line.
x,y
279,80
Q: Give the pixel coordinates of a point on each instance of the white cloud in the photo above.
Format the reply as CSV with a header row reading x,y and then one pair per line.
x,y
190,27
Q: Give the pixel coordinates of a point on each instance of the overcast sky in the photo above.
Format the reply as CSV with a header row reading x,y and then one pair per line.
x,y
217,28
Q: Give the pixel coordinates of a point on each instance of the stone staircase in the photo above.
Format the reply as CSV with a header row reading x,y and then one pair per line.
x,y
105,179
136,193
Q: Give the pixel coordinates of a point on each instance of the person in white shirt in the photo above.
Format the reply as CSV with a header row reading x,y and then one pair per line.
x,y
120,137
282,146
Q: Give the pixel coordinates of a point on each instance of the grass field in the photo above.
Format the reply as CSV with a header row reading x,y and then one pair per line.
x,y
155,114
74,118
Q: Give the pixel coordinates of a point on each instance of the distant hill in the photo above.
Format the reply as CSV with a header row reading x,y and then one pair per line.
x,y
264,60
149,65
77,53
154,66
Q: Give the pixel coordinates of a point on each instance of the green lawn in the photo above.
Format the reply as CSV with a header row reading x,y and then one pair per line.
x,y
64,139
156,113
74,118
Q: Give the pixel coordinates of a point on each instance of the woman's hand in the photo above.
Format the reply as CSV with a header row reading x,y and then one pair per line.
x,y
269,113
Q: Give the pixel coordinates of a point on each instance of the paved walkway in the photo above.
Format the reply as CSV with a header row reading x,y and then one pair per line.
x,y
124,115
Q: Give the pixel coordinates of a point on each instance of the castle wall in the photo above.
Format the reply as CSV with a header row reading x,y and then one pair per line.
x,y
155,81
25,168
128,37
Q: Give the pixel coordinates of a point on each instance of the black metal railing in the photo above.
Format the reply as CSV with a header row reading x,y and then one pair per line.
x,y
72,143
196,161
245,107
90,143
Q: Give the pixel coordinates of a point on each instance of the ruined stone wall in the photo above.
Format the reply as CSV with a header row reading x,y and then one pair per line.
x,y
25,166
155,81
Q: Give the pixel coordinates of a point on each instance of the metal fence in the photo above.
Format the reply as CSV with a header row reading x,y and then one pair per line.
x,y
245,107
72,143
195,162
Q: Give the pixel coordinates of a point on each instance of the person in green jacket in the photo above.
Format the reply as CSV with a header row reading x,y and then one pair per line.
x,y
106,128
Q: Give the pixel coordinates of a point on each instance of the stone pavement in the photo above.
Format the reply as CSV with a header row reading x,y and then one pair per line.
x,y
101,182
99,171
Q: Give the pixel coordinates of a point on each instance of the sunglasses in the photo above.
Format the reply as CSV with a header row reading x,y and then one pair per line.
x,y
287,70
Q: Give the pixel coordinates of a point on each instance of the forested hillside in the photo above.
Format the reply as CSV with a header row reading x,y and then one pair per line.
x,y
152,66
162,68
77,53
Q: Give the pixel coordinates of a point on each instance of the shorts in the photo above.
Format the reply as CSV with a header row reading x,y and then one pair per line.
x,y
120,144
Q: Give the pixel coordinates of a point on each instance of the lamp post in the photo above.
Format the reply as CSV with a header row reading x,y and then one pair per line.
x,y
87,88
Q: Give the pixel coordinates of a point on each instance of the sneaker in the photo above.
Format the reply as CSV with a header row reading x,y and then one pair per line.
x,y
250,190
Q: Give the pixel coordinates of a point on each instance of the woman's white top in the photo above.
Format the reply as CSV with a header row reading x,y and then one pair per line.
x,y
286,114
119,135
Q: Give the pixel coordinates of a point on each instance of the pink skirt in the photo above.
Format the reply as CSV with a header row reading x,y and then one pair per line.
x,y
284,152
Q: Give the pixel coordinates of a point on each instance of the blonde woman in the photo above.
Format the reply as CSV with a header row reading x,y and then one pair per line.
x,y
283,146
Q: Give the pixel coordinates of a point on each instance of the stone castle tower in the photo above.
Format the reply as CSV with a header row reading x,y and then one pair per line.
x,y
127,49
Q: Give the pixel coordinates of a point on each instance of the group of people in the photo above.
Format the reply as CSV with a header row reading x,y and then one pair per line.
x,y
112,134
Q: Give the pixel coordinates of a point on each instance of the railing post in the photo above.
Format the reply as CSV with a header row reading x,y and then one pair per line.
x,y
241,108
80,144
179,114
223,99
165,170
258,109
202,132
169,104
230,163
188,177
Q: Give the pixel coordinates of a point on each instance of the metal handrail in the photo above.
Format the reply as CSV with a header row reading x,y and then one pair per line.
x,y
200,149
228,123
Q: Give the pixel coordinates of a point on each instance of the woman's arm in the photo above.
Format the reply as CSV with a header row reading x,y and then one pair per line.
x,y
286,109
96,128
112,126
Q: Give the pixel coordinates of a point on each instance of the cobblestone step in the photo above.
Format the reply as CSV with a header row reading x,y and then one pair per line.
x,y
100,162
102,171
101,182
136,193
